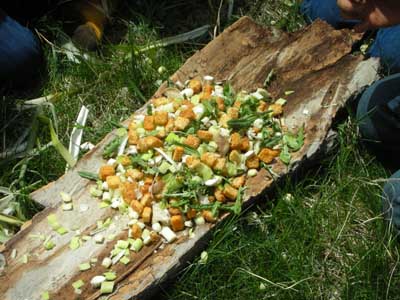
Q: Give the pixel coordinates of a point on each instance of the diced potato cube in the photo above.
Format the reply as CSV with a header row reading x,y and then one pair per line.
x,y
208,216
170,125
161,118
210,159
205,135
146,215
192,162
233,112
207,91
178,153
135,174
267,155
124,160
149,142
113,182
253,162
220,164
245,146
230,192
195,85
174,211
235,141
238,182
192,141
136,231
137,206
159,101
145,188
191,214
132,126
128,191
148,123
276,109
133,137
177,223
106,171
146,200
220,104
237,104
181,123
262,107
188,113
219,195
223,120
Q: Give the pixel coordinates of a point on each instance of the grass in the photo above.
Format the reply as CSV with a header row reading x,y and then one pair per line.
x,y
320,236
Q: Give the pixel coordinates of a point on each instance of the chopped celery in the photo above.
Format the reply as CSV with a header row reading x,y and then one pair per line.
x,y
110,276
204,171
137,245
49,245
164,167
74,243
172,138
122,244
78,284
84,267
45,296
62,230
107,287
125,260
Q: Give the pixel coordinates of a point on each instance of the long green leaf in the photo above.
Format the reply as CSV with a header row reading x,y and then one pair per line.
x,y
10,220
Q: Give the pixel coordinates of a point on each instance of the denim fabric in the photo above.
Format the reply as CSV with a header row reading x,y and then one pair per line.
x,y
391,201
387,42
20,52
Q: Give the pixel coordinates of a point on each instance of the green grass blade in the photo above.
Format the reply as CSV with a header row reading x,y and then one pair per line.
x,y
10,220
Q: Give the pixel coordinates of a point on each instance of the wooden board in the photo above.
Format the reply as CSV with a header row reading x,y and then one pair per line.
x,y
315,63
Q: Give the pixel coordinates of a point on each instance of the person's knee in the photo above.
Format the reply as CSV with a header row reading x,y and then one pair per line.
x,y
387,47
391,201
20,52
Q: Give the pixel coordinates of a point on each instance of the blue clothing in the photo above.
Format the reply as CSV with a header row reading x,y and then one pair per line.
x,y
387,41
20,52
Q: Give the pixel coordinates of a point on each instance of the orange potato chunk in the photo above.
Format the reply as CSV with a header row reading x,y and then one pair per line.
x,y
177,223
267,155
106,171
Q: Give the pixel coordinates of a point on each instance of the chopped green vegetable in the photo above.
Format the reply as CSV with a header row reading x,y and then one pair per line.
x,y
110,276
78,284
285,155
107,287
74,243
110,150
122,244
125,260
84,266
204,171
52,221
49,245
88,175
62,230
137,245
45,296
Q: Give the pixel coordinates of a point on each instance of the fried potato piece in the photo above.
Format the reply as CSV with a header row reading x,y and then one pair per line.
x,y
177,223
235,141
181,123
230,192
178,153
106,171
267,155
148,123
253,162
149,142
205,135
195,85
113,182
277,109
160,118
192,141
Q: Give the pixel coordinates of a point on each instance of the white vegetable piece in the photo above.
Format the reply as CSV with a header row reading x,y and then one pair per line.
x,y
97,281
116,202
258,123
65,197
168,234
132,150
218,91
252,172
147,240
83,207
106,196
133,214
199,111
248,154
199,220
165,155
105,186
257,95
189,224
208,79
160,214
156,227
213,181
111,162
188,92
99,238
107,262
67,206
120,168
141,225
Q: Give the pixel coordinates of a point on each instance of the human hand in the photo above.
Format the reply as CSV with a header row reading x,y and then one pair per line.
x,y
372,13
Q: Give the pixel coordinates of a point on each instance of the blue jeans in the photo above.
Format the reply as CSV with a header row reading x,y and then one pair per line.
x,y
386,44
20,52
